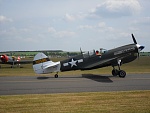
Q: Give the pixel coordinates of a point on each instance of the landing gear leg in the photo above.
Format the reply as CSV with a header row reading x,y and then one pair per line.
x,y
119,72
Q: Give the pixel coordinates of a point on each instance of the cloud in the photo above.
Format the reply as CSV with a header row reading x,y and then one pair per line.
x,y
85,27
51,30
14,31
139,25
74,17
142,21
4,19
102,27
69,17
21,35
60,34
99,27
108,9
116,8
104,32
65,34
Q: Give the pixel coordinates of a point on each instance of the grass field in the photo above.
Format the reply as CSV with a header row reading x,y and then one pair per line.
x,y
138,66
106,102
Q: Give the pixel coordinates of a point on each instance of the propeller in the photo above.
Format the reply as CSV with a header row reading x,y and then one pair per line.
x,y
140,48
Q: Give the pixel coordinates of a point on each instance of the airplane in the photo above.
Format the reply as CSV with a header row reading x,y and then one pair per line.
x,y
90,60
4,59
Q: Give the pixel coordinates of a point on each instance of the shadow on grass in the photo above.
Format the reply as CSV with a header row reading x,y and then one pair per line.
x,y
98,78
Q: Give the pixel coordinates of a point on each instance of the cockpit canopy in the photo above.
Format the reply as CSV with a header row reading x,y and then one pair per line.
x,y
102,50
94,52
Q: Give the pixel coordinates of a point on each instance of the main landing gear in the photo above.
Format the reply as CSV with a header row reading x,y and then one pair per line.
x,y
119,72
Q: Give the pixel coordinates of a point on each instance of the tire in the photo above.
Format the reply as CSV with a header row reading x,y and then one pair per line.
x,y
56,76
122,74
114,72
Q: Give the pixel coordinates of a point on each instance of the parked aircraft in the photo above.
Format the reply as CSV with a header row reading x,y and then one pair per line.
x,y
12,60
90,60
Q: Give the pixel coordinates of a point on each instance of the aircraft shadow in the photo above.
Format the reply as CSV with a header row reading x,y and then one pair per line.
x,y
43,78
98,78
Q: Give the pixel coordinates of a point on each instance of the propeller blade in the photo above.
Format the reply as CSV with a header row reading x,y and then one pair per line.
x,y
134,40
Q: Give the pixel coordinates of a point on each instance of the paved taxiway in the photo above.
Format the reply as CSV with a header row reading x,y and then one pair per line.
x,y
70,84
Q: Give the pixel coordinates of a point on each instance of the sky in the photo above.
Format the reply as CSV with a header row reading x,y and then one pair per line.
x,y
69,25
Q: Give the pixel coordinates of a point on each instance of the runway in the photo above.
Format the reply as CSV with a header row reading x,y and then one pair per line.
x,y
72,84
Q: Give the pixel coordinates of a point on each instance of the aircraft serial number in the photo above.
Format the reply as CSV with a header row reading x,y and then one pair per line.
x,y
124,51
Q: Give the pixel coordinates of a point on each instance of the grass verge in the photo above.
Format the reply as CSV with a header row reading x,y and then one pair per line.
x,y
97,102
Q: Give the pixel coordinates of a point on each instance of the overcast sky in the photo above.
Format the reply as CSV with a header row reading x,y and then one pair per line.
x,y
70,24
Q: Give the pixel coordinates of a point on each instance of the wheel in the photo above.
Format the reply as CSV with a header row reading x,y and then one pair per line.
x,y
56,75
122,74
114,72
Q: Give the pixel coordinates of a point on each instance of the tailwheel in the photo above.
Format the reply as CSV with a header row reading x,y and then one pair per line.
x,y
122,73
115,72
56,75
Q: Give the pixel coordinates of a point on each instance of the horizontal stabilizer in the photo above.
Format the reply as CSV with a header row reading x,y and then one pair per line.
x,y
50,64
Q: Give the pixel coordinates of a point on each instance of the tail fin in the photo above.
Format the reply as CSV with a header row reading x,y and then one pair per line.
x,y
43,65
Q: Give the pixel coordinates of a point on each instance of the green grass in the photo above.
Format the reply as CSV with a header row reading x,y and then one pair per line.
x,y
138,66
97,102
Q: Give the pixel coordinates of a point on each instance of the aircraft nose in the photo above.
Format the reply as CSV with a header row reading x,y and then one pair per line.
x,y
141,48
1,57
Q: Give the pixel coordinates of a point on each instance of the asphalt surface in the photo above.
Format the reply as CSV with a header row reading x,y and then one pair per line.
x,y
71,84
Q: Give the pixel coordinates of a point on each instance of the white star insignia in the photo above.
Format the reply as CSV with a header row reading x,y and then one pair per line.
x,y
73,63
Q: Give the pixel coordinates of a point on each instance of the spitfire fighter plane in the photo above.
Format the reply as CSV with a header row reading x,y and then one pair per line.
x,y
90,60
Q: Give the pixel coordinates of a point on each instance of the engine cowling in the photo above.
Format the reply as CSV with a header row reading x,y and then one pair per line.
x,y
4,58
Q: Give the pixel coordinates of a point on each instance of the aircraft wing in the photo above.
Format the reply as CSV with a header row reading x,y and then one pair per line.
x,y
107,62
